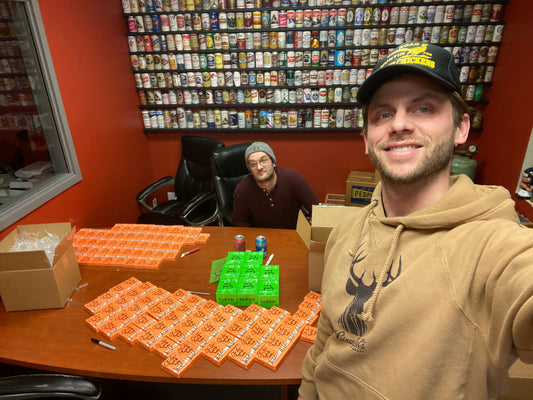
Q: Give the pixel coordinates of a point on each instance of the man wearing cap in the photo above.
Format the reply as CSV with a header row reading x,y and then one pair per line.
x,y
427,293
271,196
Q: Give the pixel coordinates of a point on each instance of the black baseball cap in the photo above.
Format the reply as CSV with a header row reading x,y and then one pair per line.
x,y
423,58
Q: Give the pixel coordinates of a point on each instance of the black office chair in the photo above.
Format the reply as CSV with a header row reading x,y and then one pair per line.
x,y
228,168
49,386
195,202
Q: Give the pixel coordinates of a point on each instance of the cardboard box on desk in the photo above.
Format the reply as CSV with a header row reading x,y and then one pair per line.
x,y
360,187
315,236
28,281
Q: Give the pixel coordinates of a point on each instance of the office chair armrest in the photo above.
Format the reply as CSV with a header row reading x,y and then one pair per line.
x,y
144,194
49,385
196,202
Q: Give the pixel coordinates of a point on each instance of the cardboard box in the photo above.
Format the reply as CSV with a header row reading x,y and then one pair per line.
x,y
315,236
28,281
360,187
335,199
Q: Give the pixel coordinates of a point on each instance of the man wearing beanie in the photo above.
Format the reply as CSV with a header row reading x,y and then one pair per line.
x,y
427,293
271,196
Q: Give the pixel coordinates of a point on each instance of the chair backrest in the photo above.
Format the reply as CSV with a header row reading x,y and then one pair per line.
x,y
228,168
194,174
48,386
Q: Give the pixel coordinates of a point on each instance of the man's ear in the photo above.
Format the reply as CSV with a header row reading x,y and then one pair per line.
x,y
366,143
462,130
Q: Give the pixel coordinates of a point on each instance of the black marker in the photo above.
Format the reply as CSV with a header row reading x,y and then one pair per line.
x,y
103,344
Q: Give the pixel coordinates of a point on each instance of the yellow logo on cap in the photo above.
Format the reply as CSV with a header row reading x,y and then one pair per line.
x,y
410,53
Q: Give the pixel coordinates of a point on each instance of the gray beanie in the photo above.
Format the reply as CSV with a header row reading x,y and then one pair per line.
x,y
259,146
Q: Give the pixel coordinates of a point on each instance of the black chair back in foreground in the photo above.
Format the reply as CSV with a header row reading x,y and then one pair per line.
x,y
49,386
195,202
228,168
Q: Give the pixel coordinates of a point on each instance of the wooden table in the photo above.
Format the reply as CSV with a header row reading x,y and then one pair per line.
x,y
59,340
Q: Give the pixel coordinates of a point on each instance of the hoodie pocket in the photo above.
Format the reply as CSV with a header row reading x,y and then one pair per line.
x,y
334,383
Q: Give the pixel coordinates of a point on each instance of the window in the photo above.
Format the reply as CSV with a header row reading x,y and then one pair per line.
x,y
37,156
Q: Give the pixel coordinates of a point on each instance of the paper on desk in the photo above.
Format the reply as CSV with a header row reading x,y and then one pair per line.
x,y
216,269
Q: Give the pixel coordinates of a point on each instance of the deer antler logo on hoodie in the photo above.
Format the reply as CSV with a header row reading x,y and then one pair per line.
x,y
361,293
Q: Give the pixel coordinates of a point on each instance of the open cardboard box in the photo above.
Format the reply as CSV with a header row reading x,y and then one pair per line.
x,y
28,281
315,236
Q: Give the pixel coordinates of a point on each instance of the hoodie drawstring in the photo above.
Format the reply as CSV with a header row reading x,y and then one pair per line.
x,y
358,229
358,233
368,314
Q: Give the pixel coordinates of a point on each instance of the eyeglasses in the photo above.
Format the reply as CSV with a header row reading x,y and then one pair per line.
x,y
263,161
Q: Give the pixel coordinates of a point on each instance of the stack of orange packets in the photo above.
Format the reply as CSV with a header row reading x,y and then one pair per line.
x,y
181,327
134,245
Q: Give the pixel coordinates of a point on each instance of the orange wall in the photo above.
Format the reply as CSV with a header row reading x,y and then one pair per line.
x,y
89,50
509,116
87,44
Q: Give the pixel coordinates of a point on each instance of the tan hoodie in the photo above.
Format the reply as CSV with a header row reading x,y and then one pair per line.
x,y
432,305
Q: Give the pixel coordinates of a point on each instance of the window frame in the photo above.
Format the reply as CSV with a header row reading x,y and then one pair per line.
x,y
62,152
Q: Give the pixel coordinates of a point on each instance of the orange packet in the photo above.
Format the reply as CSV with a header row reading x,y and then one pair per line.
x,y
161,345
246,317
242,356
95,320
218,348
144,320
159,327
276,342
266,319
309,334
121,302
188,324
276,311
132,293
192,300
158,310
94,305
313,296
106,297
286,332
269,357
110,328
109,309
146,338
129,332
259,330
308,305
145,287
199,314
250,340
145,301
229,311
172,316
177,333
306,316
209,306
202,238
219,319
133,308
180,359
209,328
198,338
292,322
181,293
236,328
254,309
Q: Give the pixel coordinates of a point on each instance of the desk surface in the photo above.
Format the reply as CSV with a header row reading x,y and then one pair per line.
x,y
58,340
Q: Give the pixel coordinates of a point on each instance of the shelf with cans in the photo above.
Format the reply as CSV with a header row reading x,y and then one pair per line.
x,y
254,54
292,119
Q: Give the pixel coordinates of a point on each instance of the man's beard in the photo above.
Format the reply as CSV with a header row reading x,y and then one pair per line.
x,y
432,164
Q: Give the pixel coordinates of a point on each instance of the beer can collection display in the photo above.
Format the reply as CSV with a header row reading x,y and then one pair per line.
x,y
285,64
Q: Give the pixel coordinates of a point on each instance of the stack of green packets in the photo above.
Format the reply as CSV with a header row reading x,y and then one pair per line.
x,y
244,280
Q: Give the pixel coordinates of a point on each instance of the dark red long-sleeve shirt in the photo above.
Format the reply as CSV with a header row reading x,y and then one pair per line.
x,y
253,206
